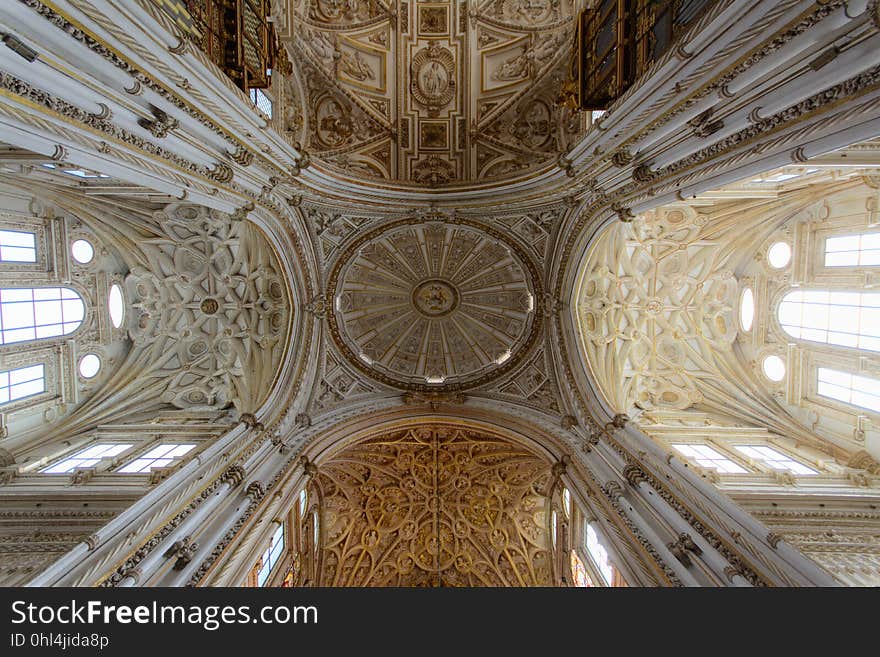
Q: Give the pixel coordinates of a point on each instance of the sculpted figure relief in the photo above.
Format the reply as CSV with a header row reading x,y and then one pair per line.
x,y
513,68
433,79
433,76
401,89
356,67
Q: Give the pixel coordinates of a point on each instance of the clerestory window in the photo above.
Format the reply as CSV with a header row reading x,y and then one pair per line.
x,y
35,313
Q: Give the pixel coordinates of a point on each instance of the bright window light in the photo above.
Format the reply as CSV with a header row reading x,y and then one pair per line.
x,y
17,246
271,556
774,459
87,458
82,173
89,365
853,250
848,319
705,456
158,457
303,498
579,572
849,388
774,368
82,251
599,555
747,309
782,177
32,313
779,255
503,358
262,101
22,382
115,305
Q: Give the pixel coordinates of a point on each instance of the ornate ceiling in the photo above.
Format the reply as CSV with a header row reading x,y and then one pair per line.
x,y
433,305
434,93
655,306
210,309
435,505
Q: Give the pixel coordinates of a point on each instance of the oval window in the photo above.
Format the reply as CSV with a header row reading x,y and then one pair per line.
x,y
747,309
774,368
82,251
89,365
779,255
115,305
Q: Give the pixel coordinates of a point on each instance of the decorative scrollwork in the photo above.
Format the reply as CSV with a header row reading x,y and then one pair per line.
x,y
435,505
211,307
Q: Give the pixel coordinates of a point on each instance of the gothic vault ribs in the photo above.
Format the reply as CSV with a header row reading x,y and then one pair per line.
x,y
435,505
423,306
432,93
210,309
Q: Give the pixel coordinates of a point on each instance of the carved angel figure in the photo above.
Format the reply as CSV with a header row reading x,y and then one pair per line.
x,y
356,67
515,68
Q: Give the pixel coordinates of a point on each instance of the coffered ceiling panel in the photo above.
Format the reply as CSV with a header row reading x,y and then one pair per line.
x,y
434,93
433,305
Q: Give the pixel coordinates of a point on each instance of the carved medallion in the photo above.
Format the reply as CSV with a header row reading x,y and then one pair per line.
x,y
435,298
334,123
433,76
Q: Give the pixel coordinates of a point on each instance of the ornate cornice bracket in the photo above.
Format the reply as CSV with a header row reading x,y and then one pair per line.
x,y
624,214
683,547
160,125
182,551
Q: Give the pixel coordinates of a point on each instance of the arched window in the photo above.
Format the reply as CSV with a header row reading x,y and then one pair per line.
x,y
271,556
848,319
34,313
579,571
599,555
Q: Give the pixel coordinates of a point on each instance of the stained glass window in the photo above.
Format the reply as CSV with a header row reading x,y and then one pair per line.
x,y
579,573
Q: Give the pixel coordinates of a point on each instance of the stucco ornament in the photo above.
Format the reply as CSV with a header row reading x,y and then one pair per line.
x,y
211,310
655,305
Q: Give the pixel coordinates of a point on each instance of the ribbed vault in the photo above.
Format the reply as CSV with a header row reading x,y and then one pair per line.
x,y
434,505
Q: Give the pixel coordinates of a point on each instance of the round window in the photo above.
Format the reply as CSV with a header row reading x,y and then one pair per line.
x,y
89,365
82,251
779,255
115,305
774,368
